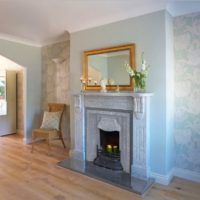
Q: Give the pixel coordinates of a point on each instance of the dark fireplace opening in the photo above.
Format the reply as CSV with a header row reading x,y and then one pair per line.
x,y
108,154
109,141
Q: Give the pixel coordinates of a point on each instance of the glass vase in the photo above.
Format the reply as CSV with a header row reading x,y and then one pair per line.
x,y
140,85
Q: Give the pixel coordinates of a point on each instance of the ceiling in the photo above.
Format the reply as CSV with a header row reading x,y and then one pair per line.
x,y
41,22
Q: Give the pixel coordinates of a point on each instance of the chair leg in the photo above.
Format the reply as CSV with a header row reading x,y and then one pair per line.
x,y
32,147
49,146
63,142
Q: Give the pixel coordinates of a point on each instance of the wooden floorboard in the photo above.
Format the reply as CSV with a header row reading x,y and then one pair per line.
x,y
35,176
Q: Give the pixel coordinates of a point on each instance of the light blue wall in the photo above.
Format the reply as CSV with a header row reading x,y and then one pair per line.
x,y
187,91
30,58
148,33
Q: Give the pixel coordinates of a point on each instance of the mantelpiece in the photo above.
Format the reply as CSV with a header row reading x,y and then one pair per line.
x,y
131,110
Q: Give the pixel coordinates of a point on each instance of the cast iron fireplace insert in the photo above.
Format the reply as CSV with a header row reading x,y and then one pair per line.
x,y
108,154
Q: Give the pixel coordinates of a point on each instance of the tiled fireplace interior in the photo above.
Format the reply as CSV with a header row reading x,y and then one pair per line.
x,y
108,121
124,117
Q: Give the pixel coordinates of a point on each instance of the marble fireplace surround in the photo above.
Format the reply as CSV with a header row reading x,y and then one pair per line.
x,y
131,113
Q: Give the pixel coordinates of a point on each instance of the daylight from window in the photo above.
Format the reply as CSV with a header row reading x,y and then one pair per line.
x,y
3,103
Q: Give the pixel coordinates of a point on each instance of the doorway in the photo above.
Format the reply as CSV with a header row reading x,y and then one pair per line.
x,y
12,121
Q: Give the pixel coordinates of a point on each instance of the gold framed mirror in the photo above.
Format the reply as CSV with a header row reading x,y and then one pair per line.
x,y
108,64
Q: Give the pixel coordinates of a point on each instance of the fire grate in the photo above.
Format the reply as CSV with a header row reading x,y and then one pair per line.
x,y
109,160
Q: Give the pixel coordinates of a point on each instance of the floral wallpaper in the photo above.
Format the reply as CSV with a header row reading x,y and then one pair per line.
x,y
55,80
187,91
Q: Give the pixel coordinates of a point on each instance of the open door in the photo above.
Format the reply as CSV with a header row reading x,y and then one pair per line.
x,y
8,119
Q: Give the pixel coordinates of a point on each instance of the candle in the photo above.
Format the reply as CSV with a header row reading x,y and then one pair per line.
x,y
82,83
109,148
115,149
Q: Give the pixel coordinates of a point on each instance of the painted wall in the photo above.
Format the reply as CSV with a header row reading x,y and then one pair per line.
x,y
30,58
148,33
55,80
187,92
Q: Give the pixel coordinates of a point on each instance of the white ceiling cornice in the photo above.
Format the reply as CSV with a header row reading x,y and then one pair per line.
x,y
19,40
178,8
43,22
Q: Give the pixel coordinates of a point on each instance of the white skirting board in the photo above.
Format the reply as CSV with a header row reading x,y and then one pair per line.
x,y
178,172
187,174
162,179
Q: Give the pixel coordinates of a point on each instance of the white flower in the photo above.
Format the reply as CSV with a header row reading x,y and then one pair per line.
x,y
144,63
140,74
144,66
132,73
129,70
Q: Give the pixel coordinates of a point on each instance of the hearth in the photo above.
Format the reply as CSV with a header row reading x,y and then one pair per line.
x,y
108,154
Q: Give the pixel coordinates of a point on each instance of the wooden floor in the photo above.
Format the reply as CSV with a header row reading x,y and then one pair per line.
x,y
35,176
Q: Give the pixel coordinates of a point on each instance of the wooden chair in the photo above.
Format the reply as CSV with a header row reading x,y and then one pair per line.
x,y
49,134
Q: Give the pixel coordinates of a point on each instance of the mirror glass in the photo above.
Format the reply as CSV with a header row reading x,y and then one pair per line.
x,y
109,64
3,103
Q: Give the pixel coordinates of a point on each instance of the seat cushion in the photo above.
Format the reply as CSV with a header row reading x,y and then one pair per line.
x,y
51,120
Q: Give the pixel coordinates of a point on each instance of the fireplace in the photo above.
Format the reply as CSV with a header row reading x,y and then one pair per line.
x,y
112,122
108,153
126,113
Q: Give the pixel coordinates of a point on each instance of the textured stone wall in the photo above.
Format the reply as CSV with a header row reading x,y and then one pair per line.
x,y
187,91
55,80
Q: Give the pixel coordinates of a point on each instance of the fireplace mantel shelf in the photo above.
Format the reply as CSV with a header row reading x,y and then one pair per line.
x,y
122,94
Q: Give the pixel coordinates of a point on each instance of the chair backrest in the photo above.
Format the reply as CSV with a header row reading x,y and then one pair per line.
x,y
55,107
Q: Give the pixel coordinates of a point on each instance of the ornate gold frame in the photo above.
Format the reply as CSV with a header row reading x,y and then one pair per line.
x,y
129,47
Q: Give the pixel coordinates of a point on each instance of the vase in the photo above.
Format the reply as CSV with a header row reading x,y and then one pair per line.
x,y
139,90
140,85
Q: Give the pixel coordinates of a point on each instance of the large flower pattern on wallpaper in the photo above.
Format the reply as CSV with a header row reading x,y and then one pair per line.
x,y
187,91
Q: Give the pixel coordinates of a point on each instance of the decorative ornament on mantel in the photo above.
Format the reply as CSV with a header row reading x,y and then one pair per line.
x,y
83,82
103,83
139,77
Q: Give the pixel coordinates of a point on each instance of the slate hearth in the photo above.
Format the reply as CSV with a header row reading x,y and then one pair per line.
x,y
121,179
